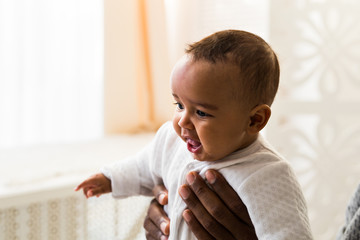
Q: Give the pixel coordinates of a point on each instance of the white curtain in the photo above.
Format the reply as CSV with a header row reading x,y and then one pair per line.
x,y
51,71
189,21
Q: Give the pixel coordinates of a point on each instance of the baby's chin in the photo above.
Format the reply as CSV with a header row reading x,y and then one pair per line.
x,y
204,157
207,156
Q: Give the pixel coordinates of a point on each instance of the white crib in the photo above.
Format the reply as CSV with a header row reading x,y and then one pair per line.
x,y
37,200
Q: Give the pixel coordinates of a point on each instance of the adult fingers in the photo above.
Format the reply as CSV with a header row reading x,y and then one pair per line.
x,y
152,231
202,215
242,227
195,226
228,195
210,200
161,194
149,237
157,217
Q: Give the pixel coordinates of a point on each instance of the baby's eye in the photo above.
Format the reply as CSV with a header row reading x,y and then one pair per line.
x,y
179,106
201,113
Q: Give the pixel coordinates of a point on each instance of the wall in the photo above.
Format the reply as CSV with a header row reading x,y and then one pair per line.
x,y
316,115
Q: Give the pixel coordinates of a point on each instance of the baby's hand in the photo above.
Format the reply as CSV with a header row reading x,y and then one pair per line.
x,y
95,185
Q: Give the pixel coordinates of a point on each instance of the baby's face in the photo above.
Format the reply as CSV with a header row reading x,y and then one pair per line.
x,y
208,117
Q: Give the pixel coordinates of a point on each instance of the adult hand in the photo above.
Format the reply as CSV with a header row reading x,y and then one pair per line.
x,y
157,223
215,214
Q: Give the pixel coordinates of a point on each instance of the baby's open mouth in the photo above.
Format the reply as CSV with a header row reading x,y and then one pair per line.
x,y
193,146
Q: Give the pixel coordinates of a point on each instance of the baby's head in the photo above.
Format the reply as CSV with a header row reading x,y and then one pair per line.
x,y
223,88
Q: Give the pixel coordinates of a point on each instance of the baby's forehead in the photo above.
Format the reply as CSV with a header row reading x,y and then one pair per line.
x,y
228,74
225,72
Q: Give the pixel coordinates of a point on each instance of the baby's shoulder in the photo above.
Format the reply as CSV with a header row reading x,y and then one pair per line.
x,y
166,132
258,169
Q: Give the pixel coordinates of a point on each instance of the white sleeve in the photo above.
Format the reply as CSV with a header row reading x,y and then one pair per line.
x,y
276,204
137,175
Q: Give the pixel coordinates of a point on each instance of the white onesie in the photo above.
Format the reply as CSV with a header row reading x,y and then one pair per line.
x,y
263,180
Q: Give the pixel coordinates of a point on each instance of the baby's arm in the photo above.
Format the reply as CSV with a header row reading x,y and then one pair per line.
x,y
95,185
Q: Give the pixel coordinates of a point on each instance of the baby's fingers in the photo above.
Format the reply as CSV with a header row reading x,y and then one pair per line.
x,y
92,181
86,191
97,191
85,184
95,185
77,188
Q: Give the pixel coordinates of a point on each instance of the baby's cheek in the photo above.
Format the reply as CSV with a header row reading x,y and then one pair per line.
x,y
214,145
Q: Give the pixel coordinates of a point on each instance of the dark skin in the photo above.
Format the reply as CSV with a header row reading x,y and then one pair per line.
x,y
212,213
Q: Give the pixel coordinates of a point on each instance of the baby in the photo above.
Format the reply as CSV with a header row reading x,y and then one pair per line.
x,y
223,89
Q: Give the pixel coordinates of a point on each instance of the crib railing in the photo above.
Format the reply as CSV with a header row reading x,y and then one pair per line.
x,y
60,214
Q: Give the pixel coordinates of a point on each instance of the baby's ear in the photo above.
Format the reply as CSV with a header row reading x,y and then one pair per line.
x,y
259,117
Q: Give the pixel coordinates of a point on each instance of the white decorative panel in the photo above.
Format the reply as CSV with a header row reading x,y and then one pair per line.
x,y
75,218
316,116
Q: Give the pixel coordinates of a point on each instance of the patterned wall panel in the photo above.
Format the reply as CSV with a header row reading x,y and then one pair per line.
x,y
316,116
75,218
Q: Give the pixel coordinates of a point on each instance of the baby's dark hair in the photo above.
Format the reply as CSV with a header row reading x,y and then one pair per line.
x,y
258,65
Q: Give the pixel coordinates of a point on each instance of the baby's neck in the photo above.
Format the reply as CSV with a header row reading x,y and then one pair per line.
x,y
248,141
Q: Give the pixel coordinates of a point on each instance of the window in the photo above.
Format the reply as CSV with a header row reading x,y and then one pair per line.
x,y
51,71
